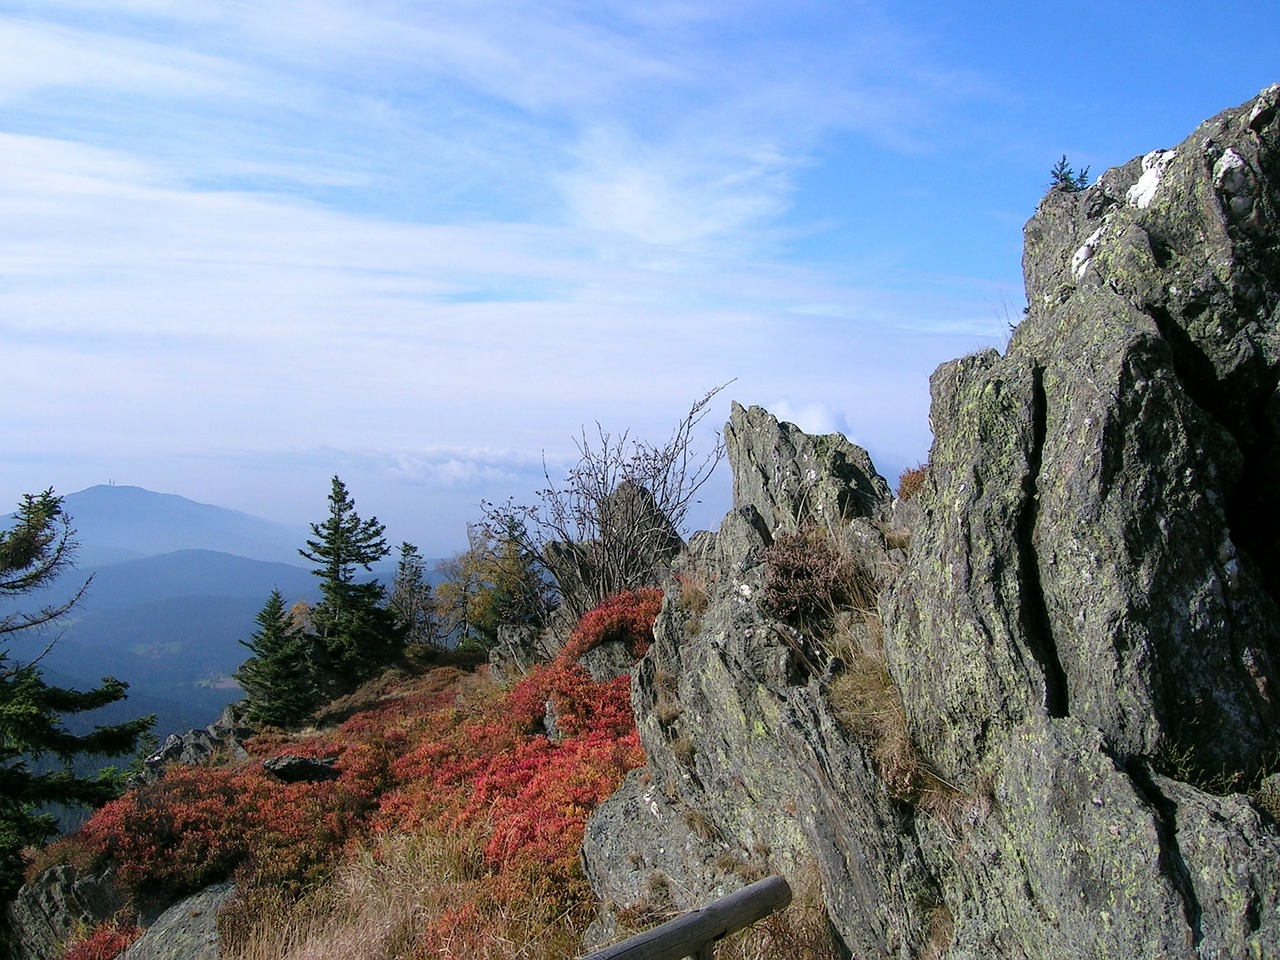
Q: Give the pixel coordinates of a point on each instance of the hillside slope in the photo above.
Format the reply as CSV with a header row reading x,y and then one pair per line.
x,y
487,788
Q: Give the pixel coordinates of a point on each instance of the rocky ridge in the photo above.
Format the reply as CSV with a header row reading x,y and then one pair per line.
x,y
750,768
1085,634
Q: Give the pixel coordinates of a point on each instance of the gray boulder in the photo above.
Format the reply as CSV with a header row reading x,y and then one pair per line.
x,y
519,649
291,768
1101,541
58,906
607,660
186,931
634,543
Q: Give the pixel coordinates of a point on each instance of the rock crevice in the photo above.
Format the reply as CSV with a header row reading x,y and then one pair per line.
x,y
1036,624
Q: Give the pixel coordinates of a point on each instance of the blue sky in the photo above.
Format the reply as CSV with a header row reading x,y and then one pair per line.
x,y
245,245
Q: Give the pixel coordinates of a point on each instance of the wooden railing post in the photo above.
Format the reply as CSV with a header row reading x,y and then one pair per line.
x,y
693,934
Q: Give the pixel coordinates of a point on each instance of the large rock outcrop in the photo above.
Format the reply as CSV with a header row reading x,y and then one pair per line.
x,y
789,477
1088,627
1085,636
749,769
58,906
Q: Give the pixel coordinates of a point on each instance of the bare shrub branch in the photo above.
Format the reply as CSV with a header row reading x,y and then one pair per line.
x,y
618,518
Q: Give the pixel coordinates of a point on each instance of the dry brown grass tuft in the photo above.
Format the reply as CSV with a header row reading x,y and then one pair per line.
x,y
897,538
694,599
867,700
666,706
941,931
424,896
1268,797
667,711
701,824
683,749
800,932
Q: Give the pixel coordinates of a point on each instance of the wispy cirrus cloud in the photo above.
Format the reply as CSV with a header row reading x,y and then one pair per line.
x,y
275,241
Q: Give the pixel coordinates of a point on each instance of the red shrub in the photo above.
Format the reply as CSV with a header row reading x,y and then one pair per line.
x,y
625,618
429,755
177,833
105,942
499,773
912,480
196,825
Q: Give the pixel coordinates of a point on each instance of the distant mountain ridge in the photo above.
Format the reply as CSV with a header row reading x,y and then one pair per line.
x,y
116,523
183,573
174,586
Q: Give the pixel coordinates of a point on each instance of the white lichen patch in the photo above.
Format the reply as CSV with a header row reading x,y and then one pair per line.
x,y
1231,173
1154,164
1080,259
1235,182
1266,104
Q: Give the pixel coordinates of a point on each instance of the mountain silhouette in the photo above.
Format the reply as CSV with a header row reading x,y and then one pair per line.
x,y
115,523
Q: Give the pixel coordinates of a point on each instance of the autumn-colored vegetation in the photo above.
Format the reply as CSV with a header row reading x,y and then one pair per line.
x,y
912,480
437,757
625,618
105,942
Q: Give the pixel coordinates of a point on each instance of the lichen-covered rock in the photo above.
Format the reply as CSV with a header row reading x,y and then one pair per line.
x,y
1102,540
749,770
607,660
1089,616
641,844
1086,635
792,478
58,906
186,931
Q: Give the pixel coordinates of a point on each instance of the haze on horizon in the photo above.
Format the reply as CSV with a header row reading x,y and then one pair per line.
x,y
245,246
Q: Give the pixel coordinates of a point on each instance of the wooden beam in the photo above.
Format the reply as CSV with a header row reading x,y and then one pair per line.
x,y
691,934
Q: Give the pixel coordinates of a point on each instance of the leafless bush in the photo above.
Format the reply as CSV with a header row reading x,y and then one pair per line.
x,y
617,519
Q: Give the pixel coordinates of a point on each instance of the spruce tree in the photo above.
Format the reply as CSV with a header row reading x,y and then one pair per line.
x,y
355,633
33,552
1064,177
279,680
411,600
